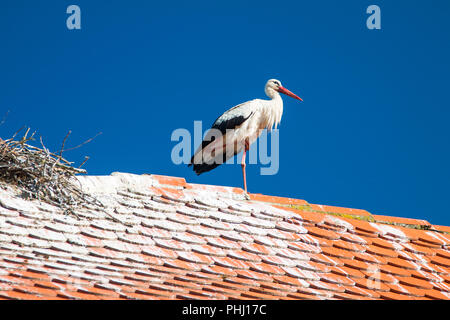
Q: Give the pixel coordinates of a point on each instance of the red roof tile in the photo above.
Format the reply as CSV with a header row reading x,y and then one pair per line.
x,y
164,238
400,221
340,210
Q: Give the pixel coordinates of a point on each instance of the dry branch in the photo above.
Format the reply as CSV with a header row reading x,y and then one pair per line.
x,y
41,174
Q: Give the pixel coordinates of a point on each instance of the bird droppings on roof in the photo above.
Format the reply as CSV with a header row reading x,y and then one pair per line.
x,y
159,237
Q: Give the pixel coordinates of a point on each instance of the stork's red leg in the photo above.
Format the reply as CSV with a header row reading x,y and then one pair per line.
x,y
243,164
243,170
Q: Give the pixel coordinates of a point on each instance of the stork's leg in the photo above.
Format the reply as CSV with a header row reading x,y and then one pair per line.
x,y
243,170
243,165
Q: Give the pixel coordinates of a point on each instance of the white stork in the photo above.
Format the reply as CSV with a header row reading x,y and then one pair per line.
x,y
238,128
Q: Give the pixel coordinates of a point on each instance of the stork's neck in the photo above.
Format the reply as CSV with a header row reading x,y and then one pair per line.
x,y
273,109
272,94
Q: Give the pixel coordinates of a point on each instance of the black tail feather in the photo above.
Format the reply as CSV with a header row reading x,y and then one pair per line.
x,y
204,167
200,168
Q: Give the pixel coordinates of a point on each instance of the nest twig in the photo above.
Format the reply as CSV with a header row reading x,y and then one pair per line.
x,y
41,174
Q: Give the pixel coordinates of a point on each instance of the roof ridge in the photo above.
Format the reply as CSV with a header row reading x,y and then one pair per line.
x,y
372,218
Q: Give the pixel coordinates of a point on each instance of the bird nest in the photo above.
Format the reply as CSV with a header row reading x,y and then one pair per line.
x,y
41,174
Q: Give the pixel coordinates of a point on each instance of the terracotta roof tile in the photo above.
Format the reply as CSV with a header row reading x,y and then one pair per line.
x,y
402,221
218,270
174,264
395,296
347,272
307,216
444,287
439,260
372,285
349,246
277,200
354,238
445,229
340,210
437,295
253,275
315,266
18,295
415,282
336,252
304,296
413,258
378,251
303,247
337,279
168,239
381,276
359,265
318,290
443,253
364,293
329,261
427,276
364,226
323,233
257,295
396,271
348,296
227,292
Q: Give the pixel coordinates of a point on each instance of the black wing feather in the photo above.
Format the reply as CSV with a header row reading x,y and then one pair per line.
x,y
229,124
222,124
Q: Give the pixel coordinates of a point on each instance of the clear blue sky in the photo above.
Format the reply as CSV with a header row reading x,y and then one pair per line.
x,y
373,131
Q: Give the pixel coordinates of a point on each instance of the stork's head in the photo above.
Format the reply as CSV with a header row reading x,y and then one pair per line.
x,y
275,85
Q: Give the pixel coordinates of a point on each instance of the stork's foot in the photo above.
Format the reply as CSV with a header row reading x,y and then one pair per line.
x,y
246,195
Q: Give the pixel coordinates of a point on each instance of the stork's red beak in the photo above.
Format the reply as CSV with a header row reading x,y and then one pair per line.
x,y
288,93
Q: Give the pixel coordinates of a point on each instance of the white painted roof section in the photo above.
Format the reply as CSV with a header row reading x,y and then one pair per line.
x,y
116,181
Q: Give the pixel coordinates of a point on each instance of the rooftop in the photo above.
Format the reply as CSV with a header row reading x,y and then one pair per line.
x,y
159,237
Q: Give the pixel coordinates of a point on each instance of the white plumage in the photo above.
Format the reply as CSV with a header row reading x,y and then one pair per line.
x,y
236,129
